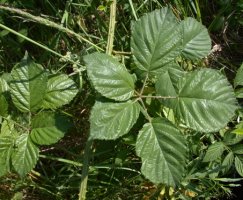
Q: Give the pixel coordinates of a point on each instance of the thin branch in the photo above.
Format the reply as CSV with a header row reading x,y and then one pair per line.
x,y
49,23
112,24
144,84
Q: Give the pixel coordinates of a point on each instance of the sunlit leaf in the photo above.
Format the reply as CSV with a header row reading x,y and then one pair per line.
x,y
112,120
25,156
28,85
48,128
163,151
60,91
156,40
109,77
205,101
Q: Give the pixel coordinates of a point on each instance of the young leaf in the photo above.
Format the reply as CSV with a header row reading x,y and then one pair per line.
x,y
48,128
26,155
239,77
230,138
28,85
60,91
109,77
228,162
112,120
214,151
237,148
196,40
6,148
205,100
7,128
163,151
239,165
156,40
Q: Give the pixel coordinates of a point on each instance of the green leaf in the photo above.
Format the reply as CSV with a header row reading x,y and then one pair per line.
x,y
26,155
112,120
28,85
60,91
205,100
196,40
6,148
239,165
230,138
156,40
239,93
163,151
239,77
237,149
7,128
48,128
3,106
214,152
109,77
228,162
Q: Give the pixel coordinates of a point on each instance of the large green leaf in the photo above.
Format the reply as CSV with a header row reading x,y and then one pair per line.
x,y
156,40
48,128
239,77
214,151
60,91
205,100
25,156
6,148
163,151
109,77
112,120
28,85
196,40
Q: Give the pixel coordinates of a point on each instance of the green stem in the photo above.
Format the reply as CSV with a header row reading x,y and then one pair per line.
x,y
61,160
133,10
49,23
37,44
85,170
112,24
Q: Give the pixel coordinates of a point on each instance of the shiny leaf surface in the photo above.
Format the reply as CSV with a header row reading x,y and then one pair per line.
x,y
60,91
25,156
112,120
109,77
205,100
163,151
196,40
28,85
156,40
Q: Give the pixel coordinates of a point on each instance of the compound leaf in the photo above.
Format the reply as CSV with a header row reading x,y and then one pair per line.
x,y
163,151
48,128
156,40
26,155
214,151
205,100
196,40
28,85
112,120
109,77
60,91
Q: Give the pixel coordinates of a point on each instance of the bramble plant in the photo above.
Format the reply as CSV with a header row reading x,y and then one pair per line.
x,y
202,100
36,94
181,117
